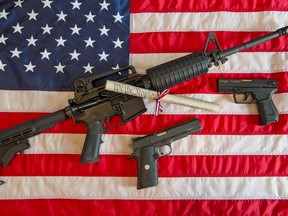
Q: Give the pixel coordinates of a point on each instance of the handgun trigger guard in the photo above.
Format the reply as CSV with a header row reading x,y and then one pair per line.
x,y
244,101
160,150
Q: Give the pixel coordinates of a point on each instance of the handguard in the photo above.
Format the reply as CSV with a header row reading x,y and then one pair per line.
x,y
149,148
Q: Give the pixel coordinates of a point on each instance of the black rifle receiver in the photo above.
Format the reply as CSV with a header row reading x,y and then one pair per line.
x,y
166,75
100,105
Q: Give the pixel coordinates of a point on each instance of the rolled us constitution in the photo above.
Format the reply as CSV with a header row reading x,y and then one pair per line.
x,y
145,93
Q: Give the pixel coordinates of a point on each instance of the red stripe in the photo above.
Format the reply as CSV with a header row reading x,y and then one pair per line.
x,y
175,42
169,166
143,207
147,124
139,6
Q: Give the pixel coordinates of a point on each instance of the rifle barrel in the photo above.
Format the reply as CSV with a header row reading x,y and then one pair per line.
x,y
278,33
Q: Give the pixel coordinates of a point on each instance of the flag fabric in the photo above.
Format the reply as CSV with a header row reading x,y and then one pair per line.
x,y
233,166
54,44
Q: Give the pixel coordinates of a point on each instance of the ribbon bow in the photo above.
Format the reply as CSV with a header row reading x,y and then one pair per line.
x,y
159,107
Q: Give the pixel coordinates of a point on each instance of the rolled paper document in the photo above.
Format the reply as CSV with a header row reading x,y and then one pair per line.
x,y
145,93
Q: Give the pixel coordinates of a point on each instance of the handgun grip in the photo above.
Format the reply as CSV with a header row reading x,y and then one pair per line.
x,y
147,169
268,111
90,151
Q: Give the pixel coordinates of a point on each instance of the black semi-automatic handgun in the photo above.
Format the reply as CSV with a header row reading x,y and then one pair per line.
x,y
149,148
92,106
257,91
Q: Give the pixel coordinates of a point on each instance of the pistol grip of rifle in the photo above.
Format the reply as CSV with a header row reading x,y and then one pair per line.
x,y
268,111
93,140
147,169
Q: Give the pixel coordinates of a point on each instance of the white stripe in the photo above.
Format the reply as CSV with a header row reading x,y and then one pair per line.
x,y
125,188
33,101
212,21
243,62
44,103
190,145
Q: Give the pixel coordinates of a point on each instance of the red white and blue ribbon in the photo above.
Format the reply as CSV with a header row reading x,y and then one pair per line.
x,y
159,107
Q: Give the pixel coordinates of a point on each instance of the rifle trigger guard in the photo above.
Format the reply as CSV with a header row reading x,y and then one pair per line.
x,y
107,125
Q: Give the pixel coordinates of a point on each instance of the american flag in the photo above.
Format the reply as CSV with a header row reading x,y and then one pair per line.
x,y
232,167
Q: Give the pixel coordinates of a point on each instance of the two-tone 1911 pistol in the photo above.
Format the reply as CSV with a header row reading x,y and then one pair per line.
x,y
149,148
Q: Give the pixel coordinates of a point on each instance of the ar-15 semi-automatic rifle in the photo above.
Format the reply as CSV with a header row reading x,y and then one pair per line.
x,y
93,105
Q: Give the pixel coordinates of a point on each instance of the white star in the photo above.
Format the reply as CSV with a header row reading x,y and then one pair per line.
x,y
2,66
45,54
4,14
59,68
32,15
46,29
47,3
104,31
32,41
90,17
3,39
61,16
118,18
15,53
74,55
89,42
104,5
18,3
103,56
88,68
75,30
76,4
17,28
116,67
30,67
60,41
118,43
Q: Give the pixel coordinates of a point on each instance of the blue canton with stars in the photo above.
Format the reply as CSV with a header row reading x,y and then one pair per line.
x,y
47,45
